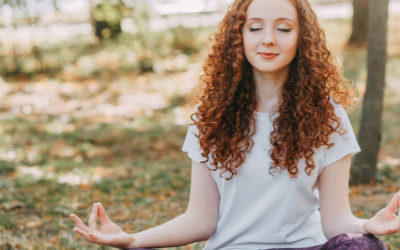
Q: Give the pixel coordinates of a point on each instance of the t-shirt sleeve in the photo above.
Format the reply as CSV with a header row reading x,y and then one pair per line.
x,y
343,144
191,144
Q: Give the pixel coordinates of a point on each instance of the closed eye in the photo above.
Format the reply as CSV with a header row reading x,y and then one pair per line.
x,y
254,29
285,30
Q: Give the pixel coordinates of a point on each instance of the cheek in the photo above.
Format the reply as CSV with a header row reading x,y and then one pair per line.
x,y
249,46
291,45
247,42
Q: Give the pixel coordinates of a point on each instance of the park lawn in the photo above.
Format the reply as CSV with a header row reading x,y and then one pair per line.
x,y
68,143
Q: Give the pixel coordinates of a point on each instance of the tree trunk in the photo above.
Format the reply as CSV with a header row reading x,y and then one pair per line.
x,y
364,169
106,17
360,22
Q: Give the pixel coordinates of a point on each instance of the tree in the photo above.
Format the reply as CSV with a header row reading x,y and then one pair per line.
x,y
106,16
360,22
369,137
22,15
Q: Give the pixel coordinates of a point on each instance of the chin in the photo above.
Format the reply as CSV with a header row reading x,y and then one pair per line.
x,y
269,70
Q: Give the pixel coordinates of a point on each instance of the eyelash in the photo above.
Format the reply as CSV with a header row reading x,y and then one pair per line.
x,y
256,29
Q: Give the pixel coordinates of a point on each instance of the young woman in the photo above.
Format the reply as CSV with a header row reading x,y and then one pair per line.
x,y
270,145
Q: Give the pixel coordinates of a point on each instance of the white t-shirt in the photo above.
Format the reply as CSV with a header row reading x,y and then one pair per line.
x,y
261,211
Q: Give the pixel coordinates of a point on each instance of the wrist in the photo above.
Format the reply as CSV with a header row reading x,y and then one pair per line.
x,y
364,227
133,242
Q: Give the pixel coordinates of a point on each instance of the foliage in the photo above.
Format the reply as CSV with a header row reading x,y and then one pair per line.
x,y
184,40
6,166
80,58
7,222
106,18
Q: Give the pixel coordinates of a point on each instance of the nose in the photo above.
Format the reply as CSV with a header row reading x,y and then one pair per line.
x,y
269,38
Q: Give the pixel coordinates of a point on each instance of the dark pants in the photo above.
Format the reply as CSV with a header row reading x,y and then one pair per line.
x,y
349,241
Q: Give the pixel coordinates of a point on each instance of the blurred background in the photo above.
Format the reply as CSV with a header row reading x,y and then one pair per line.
x,y
95,99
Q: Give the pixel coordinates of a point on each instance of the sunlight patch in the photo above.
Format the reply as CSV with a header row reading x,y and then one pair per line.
x,y
73,179
36,172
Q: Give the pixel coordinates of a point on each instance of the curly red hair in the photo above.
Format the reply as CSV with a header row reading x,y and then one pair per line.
x,y
225,114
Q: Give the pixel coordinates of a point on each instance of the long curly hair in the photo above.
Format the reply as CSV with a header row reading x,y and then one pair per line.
x,y
225,113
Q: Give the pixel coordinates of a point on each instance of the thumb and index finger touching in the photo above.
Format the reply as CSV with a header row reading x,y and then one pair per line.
x,y
98,211
93,217
104,219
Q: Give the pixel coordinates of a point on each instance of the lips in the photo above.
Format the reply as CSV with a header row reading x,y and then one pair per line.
x,y
268,55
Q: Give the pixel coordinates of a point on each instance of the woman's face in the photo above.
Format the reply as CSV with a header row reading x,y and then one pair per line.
x,y
270,35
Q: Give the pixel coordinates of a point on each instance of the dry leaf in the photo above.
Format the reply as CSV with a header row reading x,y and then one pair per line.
x,y
11,205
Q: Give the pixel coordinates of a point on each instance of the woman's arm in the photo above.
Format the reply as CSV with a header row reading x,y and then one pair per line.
x,y
333,186
196,224
336,214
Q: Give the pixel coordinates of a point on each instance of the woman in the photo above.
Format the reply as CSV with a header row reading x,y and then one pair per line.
x,y
270,145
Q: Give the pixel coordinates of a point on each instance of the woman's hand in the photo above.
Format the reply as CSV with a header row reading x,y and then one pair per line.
x,y
385,220
108,234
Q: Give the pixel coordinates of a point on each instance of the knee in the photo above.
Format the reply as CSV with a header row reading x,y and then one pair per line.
x,y
355,241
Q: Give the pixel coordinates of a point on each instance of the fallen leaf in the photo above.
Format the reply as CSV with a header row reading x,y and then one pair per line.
x,y
34,222
11,205
62,210
48,218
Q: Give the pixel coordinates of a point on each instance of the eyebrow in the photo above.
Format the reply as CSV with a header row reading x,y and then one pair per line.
x,y
278,19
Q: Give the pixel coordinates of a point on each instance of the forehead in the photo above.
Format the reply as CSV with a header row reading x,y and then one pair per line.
x,y
272,10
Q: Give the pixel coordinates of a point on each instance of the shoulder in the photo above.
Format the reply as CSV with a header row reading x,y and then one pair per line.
x,y
336,105
340,112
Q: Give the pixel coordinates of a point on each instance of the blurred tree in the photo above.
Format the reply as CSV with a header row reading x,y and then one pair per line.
x,y
369,137
106,16
360,22
140,14
13,65
22,15
56,5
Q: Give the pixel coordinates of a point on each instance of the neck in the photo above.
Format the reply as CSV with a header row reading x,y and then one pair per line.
x,y
269,89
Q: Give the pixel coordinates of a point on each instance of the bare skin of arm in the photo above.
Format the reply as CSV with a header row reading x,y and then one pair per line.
x,y
336,214
196,224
